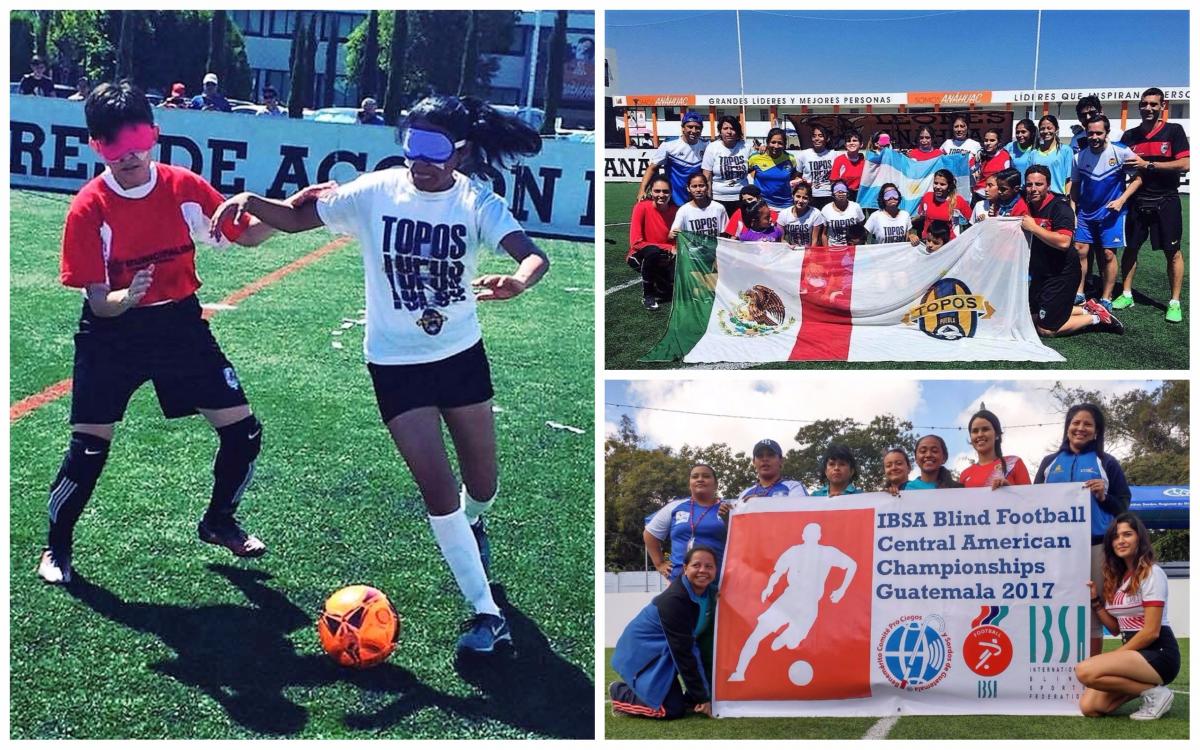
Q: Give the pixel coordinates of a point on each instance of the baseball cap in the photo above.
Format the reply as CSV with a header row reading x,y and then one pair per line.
x,y
769,444
369,100
692,117
211,78
178,89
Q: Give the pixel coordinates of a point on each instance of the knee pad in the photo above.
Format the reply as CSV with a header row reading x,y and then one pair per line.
x,y
242,439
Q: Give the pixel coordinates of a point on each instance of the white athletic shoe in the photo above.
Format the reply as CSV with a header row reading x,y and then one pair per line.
x,y
53,568
1155,702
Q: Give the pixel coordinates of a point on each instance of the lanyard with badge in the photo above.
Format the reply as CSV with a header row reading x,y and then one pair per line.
x,y
694,524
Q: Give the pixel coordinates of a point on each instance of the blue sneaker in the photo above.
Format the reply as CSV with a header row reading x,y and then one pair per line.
x,y
1079,299
1106,304
481,540
483,633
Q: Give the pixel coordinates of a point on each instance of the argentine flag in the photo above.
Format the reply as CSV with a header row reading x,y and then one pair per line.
x,y
913,178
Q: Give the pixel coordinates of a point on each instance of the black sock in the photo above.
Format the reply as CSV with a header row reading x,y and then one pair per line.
x,y
233,467
73,486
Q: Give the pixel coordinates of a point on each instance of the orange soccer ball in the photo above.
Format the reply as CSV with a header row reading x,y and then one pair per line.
x,y
358,627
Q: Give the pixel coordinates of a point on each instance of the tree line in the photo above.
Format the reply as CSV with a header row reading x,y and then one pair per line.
x,y
639,479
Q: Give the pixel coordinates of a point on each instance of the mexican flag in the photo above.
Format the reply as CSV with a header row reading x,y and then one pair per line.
x,y
767,302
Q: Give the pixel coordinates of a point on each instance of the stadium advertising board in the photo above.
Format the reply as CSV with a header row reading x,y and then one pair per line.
x,y
278,156
903,126
963,601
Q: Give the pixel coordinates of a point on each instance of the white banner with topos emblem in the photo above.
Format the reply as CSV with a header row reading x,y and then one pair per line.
x,y
551,194
963,601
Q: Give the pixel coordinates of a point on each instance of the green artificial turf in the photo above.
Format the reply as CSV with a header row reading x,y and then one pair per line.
x,y
162,636
1149,341
1173,725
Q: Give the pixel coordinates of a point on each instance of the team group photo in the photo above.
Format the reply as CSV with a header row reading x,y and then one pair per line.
x,y
343,288
857,226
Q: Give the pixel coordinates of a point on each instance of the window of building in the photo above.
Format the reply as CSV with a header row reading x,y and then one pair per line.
x,y
249,21
283,22
505,95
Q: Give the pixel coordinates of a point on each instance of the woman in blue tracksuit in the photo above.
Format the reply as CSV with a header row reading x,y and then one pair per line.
x,y
1081,458
659,647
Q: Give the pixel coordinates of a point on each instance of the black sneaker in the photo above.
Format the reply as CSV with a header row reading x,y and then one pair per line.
x,y
650,302
229,534
481,540
54,567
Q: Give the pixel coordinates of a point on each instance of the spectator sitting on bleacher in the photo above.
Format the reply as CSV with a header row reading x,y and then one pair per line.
x,y
211,99
36,82
83,87
177,99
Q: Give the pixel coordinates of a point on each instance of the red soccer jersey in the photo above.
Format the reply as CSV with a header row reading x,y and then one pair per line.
x,y
1002,160
848,171
649,226
933,211
917,154
980,475
112,233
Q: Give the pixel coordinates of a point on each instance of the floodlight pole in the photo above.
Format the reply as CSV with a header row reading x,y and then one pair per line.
x,y
1037,49
741,76
533,60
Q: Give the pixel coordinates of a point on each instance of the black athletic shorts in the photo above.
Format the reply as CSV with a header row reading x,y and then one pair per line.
x,y
1051,299
1162,654
459,380
1160,219
169,344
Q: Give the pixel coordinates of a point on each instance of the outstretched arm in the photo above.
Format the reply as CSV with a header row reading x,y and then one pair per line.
x,y
281,215
532,265
259,231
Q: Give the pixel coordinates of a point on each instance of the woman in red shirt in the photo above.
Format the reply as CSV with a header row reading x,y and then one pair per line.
x,y
942,203
992,159
991,468
651,250
848,167
924,150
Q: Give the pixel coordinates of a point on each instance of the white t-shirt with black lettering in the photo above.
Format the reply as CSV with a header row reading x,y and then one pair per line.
x,y
420,251
817,168
710,220
729,167
884,228
838,223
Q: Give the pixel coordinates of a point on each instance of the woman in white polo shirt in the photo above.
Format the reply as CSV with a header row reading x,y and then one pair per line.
x,y
1132,602
422,228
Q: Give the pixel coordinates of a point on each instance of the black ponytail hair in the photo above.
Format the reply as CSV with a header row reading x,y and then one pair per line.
x,y
493,137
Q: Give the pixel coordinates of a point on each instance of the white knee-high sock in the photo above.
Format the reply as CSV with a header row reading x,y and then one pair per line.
x,y
473,507
457,543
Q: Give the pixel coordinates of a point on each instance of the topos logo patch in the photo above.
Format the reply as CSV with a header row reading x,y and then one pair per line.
x,y
987,650
231,379
914,653
948,311
431,321
762,313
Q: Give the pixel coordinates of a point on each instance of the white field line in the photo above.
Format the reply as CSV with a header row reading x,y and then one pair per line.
x,y
619,287
880,729
618,224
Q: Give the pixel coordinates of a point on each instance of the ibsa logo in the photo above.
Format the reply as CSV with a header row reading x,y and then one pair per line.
x,y
948,311
914,653
761,313
987,650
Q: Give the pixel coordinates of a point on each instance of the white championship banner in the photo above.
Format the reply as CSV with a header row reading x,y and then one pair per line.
x,y
551,194
963,601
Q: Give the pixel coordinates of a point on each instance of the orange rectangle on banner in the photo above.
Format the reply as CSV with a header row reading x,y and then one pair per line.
x,y
794,618
660,100
948,98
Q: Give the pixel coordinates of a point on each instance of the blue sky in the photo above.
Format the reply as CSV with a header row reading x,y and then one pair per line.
x,y
675,51
938,406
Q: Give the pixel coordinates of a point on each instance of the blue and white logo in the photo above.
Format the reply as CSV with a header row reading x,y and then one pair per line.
x,y
914,653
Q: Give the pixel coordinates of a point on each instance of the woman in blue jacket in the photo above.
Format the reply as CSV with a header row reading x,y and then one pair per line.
x,y
1081,458
659,647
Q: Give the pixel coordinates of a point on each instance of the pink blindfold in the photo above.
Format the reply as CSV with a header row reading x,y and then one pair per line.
x,y
131,138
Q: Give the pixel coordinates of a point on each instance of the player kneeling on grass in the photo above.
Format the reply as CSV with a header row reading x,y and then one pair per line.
x,y
128,242
1132,601
661,646
421,229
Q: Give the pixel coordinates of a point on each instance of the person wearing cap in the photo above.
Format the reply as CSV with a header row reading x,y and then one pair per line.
x,y
83,87
270,103
178,98
211,99
677,159
768,465
36,82
369,114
